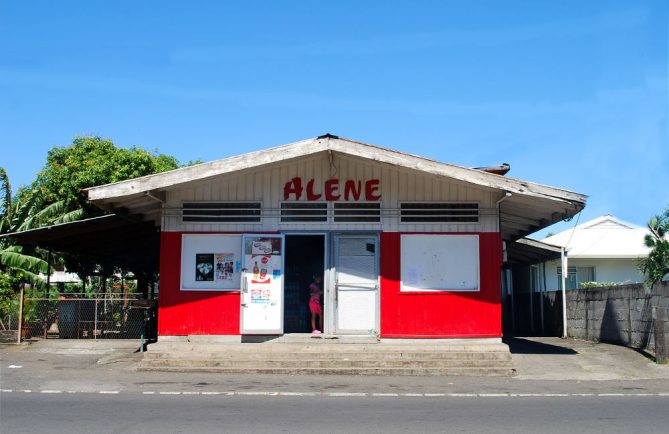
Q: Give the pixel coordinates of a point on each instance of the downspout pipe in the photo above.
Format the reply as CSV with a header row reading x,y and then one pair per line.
x,y
563,257
509,288
499,215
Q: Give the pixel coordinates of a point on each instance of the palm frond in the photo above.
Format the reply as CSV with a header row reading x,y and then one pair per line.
x,y
70,216
43,216
16,260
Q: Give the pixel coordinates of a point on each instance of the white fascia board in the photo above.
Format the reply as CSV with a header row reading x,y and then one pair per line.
x,y
348,147
204,170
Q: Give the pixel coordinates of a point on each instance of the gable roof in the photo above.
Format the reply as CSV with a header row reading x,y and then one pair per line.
x,y
605,237
143,194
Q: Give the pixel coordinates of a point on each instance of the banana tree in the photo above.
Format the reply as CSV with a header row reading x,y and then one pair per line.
x,y
16,215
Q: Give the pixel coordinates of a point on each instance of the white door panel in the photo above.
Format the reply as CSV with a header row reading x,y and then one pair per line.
x,y
261,310
356,283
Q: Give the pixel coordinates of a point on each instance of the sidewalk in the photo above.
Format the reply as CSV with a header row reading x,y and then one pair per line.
x,y
543,365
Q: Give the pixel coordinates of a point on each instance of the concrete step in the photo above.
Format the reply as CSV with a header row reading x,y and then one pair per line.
x,y
454,371
194,347
424,357
376,355
342,363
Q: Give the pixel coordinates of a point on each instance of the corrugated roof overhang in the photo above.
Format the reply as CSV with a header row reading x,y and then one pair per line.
x,y
119,239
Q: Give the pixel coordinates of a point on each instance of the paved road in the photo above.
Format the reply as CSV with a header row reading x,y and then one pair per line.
x,y
137,413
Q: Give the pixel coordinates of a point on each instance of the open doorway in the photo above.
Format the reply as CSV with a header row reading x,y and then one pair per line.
x,y
305,258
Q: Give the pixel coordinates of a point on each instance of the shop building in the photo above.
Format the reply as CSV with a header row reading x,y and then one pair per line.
x,y
405,247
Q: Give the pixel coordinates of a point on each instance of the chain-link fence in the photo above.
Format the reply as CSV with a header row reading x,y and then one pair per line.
x,y
80,316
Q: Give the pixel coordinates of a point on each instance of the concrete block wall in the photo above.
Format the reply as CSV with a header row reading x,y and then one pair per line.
x,y
618,314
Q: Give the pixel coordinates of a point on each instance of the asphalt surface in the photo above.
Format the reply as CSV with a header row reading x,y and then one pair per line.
x,y
36,413
561,385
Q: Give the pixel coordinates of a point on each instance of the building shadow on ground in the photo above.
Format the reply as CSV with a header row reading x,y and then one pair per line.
x,y
519,345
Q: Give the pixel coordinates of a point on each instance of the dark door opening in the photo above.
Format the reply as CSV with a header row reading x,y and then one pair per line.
x,y
305,258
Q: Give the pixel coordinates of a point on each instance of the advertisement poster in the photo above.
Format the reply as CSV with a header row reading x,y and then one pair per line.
x,y
264,267
260,295
204,267
225,266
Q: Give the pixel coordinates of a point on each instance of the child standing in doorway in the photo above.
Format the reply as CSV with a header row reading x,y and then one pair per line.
x,y
315,307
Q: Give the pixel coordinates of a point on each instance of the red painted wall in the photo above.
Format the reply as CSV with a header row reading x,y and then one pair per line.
x,y
409,315
191,312
441,314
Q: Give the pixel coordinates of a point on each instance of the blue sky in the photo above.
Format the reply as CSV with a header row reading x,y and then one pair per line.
x,y
572,94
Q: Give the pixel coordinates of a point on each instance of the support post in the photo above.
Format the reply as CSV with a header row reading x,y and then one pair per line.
x,y
565,270
95,319
18,333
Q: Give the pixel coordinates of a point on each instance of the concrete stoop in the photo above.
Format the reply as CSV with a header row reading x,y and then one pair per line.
x,y
407,358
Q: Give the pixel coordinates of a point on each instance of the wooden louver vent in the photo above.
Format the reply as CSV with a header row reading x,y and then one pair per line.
x,y
444,212
357,212
304,212
221,212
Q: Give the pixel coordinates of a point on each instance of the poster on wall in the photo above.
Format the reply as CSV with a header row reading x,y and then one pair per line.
x,y
204,267
225,268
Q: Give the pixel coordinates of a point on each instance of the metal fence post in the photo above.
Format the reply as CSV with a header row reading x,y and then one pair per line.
x,y
18,332
95,319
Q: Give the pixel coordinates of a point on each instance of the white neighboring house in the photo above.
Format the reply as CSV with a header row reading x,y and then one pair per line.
x,y
601,250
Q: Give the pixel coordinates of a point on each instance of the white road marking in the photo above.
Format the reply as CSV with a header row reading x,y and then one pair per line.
x,y
355,394
297,393
15,366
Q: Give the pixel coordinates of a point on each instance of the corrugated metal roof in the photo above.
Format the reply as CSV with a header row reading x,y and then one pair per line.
x,y
603,237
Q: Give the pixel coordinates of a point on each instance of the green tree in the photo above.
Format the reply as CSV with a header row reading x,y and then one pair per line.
x,y
656,265
87,162
56,196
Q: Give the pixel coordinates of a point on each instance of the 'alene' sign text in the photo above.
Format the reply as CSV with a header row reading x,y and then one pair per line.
x,y
333,190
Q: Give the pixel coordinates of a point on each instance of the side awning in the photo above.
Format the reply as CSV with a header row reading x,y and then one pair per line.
x,y
119,239
526,251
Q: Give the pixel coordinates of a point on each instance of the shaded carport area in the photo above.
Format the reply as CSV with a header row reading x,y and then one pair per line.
x,y
113,240
526,310
99,246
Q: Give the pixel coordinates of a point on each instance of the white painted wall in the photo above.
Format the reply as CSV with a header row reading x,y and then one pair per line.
x,y
266,185
606,270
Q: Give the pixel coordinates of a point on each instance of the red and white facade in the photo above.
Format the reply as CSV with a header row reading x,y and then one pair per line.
x,y
411,248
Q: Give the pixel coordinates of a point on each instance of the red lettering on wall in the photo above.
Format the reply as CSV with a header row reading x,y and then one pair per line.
x,y
371,187
331,189
294,186
310,191
350,191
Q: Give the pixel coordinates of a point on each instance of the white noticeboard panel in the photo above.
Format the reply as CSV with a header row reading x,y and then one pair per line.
x,y
440,262
211,262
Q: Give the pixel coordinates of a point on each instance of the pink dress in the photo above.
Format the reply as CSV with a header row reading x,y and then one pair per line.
x,y
315,300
